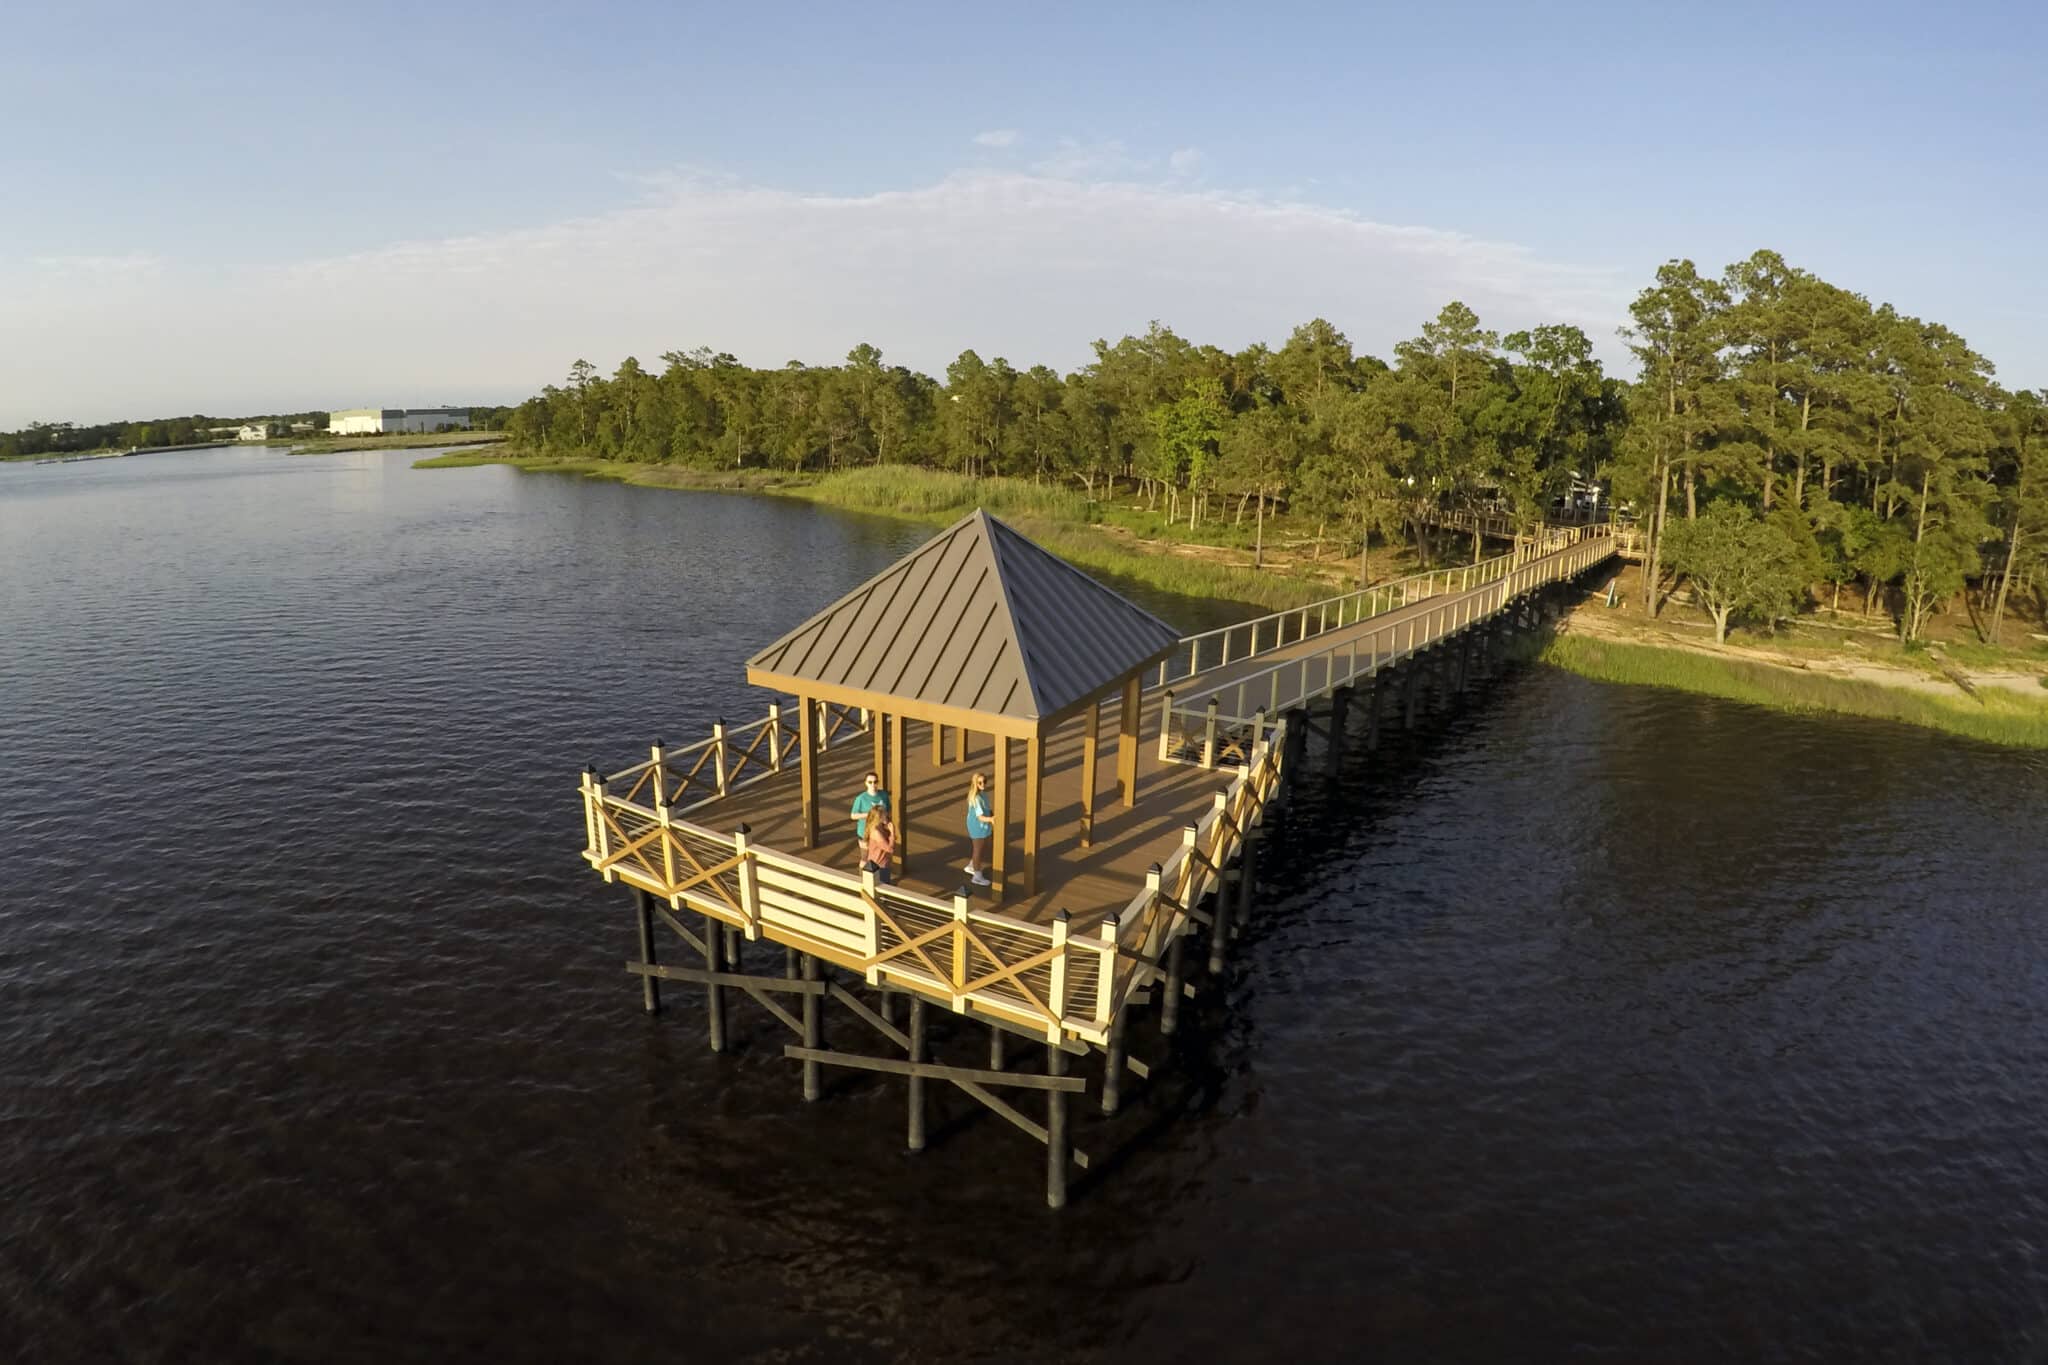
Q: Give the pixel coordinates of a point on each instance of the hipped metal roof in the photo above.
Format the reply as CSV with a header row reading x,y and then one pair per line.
x,y
976,619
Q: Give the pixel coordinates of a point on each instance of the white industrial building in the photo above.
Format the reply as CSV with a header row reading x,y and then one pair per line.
x,y
373,421
255,431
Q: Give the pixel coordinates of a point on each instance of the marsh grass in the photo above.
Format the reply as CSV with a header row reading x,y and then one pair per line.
x,y
1994,715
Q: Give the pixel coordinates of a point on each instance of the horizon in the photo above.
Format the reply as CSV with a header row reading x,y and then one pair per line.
x,y
629,182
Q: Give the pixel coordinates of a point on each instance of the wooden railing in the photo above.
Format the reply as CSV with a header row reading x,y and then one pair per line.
x,y
1229,721
1215,648
689,776
1038,976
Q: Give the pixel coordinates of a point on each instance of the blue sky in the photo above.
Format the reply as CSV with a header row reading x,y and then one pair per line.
x,y
237,208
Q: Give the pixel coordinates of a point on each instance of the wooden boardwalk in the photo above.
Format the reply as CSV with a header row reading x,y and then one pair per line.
x,y
1089,882
716,829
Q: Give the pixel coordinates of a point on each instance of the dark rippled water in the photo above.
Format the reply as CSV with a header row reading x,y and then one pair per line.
x,y
1594,1023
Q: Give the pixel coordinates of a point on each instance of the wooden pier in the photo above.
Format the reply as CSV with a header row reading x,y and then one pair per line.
x,y
981,653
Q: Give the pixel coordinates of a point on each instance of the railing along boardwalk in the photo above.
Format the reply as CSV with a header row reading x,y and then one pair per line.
x,y
1218,715
1061,965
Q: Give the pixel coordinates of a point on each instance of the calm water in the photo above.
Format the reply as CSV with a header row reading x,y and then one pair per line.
x,y
1604,1024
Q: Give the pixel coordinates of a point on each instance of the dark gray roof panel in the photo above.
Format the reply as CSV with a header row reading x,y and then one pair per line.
x,y
977,618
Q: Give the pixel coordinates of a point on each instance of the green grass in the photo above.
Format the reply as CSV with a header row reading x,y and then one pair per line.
x,y
1995,715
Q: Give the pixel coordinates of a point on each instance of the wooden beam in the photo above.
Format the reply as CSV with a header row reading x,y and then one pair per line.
x,y
899,792
1000,854
807,756
1017,727
1091,747
1020,1080
878,728
1127,744
938,745
1034,801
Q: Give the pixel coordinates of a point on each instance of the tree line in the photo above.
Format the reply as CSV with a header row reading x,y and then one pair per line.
x,y
68,438
1783,434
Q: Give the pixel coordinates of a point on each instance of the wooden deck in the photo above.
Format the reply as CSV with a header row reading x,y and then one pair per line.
x,y
1087,882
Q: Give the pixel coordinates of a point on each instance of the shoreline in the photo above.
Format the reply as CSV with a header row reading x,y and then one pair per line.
x,y
2007,705
1055,517
2004,703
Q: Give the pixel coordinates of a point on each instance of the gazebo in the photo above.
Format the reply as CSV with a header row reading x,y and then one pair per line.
x,y
976,632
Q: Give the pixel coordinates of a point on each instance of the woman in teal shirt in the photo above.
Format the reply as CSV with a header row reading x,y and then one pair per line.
x,y
980,828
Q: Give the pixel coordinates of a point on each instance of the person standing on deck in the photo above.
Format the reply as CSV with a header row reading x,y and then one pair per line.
x,y
872,797
881,846
980,828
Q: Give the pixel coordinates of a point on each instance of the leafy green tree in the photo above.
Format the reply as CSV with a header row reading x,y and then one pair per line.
x,y
1738,565
2022,512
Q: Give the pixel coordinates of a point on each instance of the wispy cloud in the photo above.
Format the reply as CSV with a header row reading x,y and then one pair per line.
x,y
997,137
1029,265
128,263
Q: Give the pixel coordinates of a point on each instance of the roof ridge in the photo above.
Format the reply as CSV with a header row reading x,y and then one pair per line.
x,y
985,524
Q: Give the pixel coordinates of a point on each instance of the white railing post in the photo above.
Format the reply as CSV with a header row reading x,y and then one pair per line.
x,y
750,885
872,925
1165,725
590,820
718,754
1105,978
1057,1004
1209,737
774,737
604,834
657,770
959,962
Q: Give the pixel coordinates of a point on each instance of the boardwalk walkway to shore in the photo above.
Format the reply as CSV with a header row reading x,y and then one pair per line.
x,y
943,666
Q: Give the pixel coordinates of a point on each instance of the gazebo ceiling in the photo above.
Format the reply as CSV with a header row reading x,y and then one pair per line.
x,y
978,619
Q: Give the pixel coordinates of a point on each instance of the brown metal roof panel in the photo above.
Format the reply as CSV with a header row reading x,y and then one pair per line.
x,y
948,595
977,618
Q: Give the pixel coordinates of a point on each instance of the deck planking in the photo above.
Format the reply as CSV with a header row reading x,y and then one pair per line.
x,y
1087,882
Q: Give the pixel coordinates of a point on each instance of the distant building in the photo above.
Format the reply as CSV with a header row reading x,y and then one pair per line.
x,y
255,431
374,421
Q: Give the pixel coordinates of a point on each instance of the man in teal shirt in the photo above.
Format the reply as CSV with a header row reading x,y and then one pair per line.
x,y
872,797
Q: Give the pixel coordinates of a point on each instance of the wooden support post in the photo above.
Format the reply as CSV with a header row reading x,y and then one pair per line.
x,y
899,790
814,1028
1056,1156
938,745
1091,744
916,1138
1001,843
1372,715
774,737
1209,734
714,997
995,1047
1113,1062
807,756
1408,689
1127,744
732,947
1165,731
1034,801
1219,920
650,989
1247,870
1169,993
878,725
